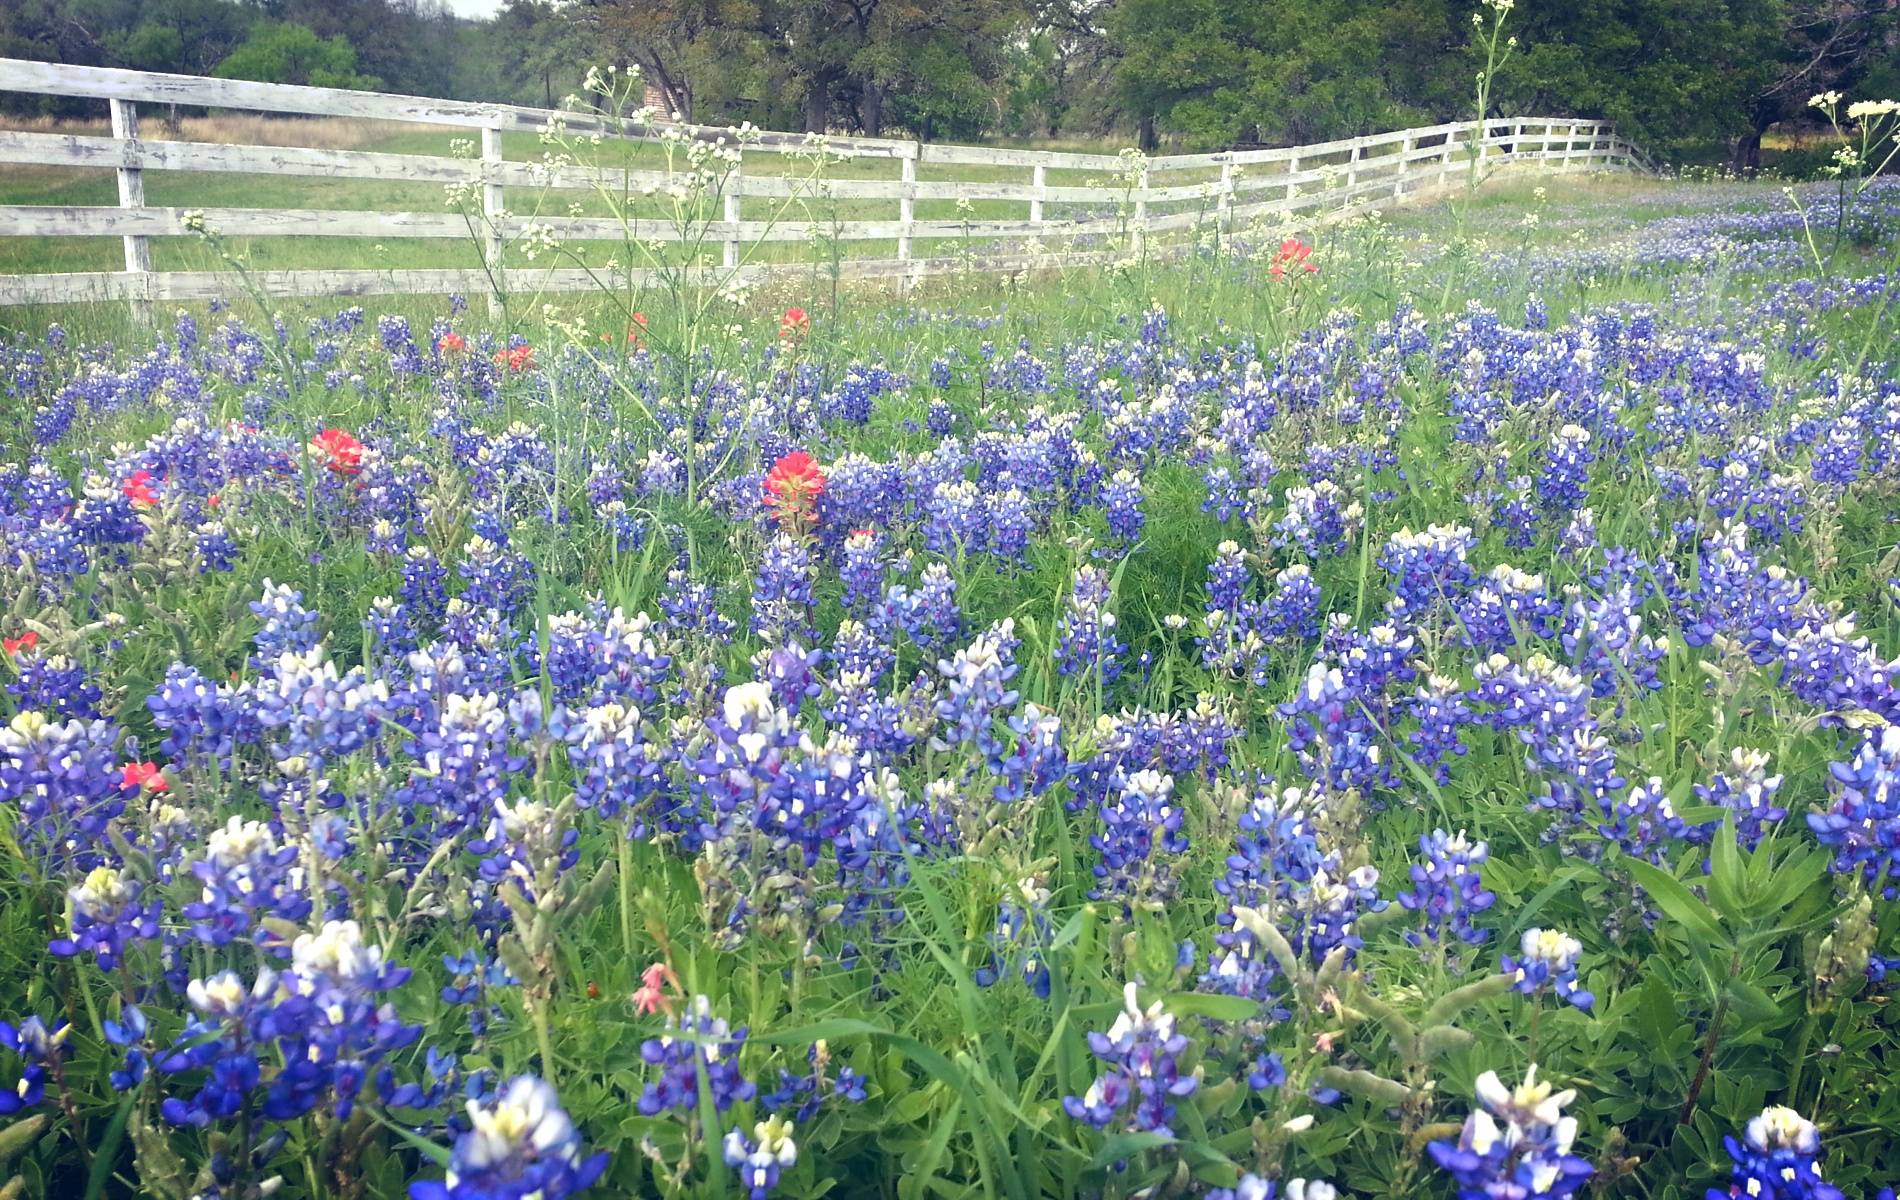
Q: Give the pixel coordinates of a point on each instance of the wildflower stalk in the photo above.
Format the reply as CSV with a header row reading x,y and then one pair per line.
x,y
1710,1042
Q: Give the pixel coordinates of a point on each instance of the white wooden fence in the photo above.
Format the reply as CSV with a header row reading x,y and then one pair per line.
x,y
1058,221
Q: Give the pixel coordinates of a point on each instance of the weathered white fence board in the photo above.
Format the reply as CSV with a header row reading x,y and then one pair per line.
x,y
1100,197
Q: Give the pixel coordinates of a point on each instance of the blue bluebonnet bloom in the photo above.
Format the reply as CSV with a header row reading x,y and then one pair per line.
x,y
519,1145
39,1049
1143,1078
1778,1158
1447,889
1019,941
1140,840
697,1046
761,1158
63,780
1517,1145
108,911
1121,504
1547,960
1086,643
1862,826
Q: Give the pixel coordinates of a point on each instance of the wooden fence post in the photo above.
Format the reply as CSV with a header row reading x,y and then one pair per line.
x,y
907,210
1224,218
1038,179
1141,212
138,248
1405,164
1352,170
1292,183
735,190
493,213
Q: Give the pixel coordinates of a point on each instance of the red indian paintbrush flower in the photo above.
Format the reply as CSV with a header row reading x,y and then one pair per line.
x,y
340,450
451,343
792,488
144,776
794,324
138,489
516,358
26,641
1294,255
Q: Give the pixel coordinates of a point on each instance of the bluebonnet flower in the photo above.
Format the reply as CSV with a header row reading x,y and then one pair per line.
x,y
1778,1158
692,605
1018,941
63,780
863,570
760,1158
1429,570
1562,485
244,874
1139,818
698,1045
1121,504
1318,520
39,1049
1447,888
929,615
956,519
424,584
1039,760
1643,822
1086,643
288,627
55,685
519,1144
1328,728
1292,611
1517,1145
1748,790
976,692
1143,1078
1547,960
782,593
107,911
1862,826
497,576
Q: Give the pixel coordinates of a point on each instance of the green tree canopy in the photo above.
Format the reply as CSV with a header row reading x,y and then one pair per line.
x,y
279,52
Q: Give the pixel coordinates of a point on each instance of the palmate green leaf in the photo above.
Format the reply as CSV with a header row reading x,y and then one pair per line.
x,y
1678,903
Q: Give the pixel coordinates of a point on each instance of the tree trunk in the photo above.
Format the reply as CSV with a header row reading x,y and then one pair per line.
x,y
1745,159
817,104
871,109
1145,134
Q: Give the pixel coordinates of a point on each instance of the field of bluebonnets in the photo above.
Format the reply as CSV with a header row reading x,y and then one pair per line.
x,y
1408,714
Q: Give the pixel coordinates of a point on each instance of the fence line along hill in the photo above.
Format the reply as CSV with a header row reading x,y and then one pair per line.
x,y
886,208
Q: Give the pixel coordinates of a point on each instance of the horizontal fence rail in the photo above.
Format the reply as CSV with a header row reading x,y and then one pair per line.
x,y
1064,222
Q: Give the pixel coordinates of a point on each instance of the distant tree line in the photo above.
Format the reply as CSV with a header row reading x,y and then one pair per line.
x,y
1198,73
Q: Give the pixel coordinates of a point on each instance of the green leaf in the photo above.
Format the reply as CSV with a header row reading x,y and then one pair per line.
x,y
106,1152
1215,1008
1127,1145
1678,903
1726,883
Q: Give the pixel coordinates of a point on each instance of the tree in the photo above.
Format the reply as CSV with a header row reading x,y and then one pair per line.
x,y
686,49
278,52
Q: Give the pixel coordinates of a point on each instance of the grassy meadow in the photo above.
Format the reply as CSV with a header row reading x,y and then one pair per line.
x,y
1403,707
